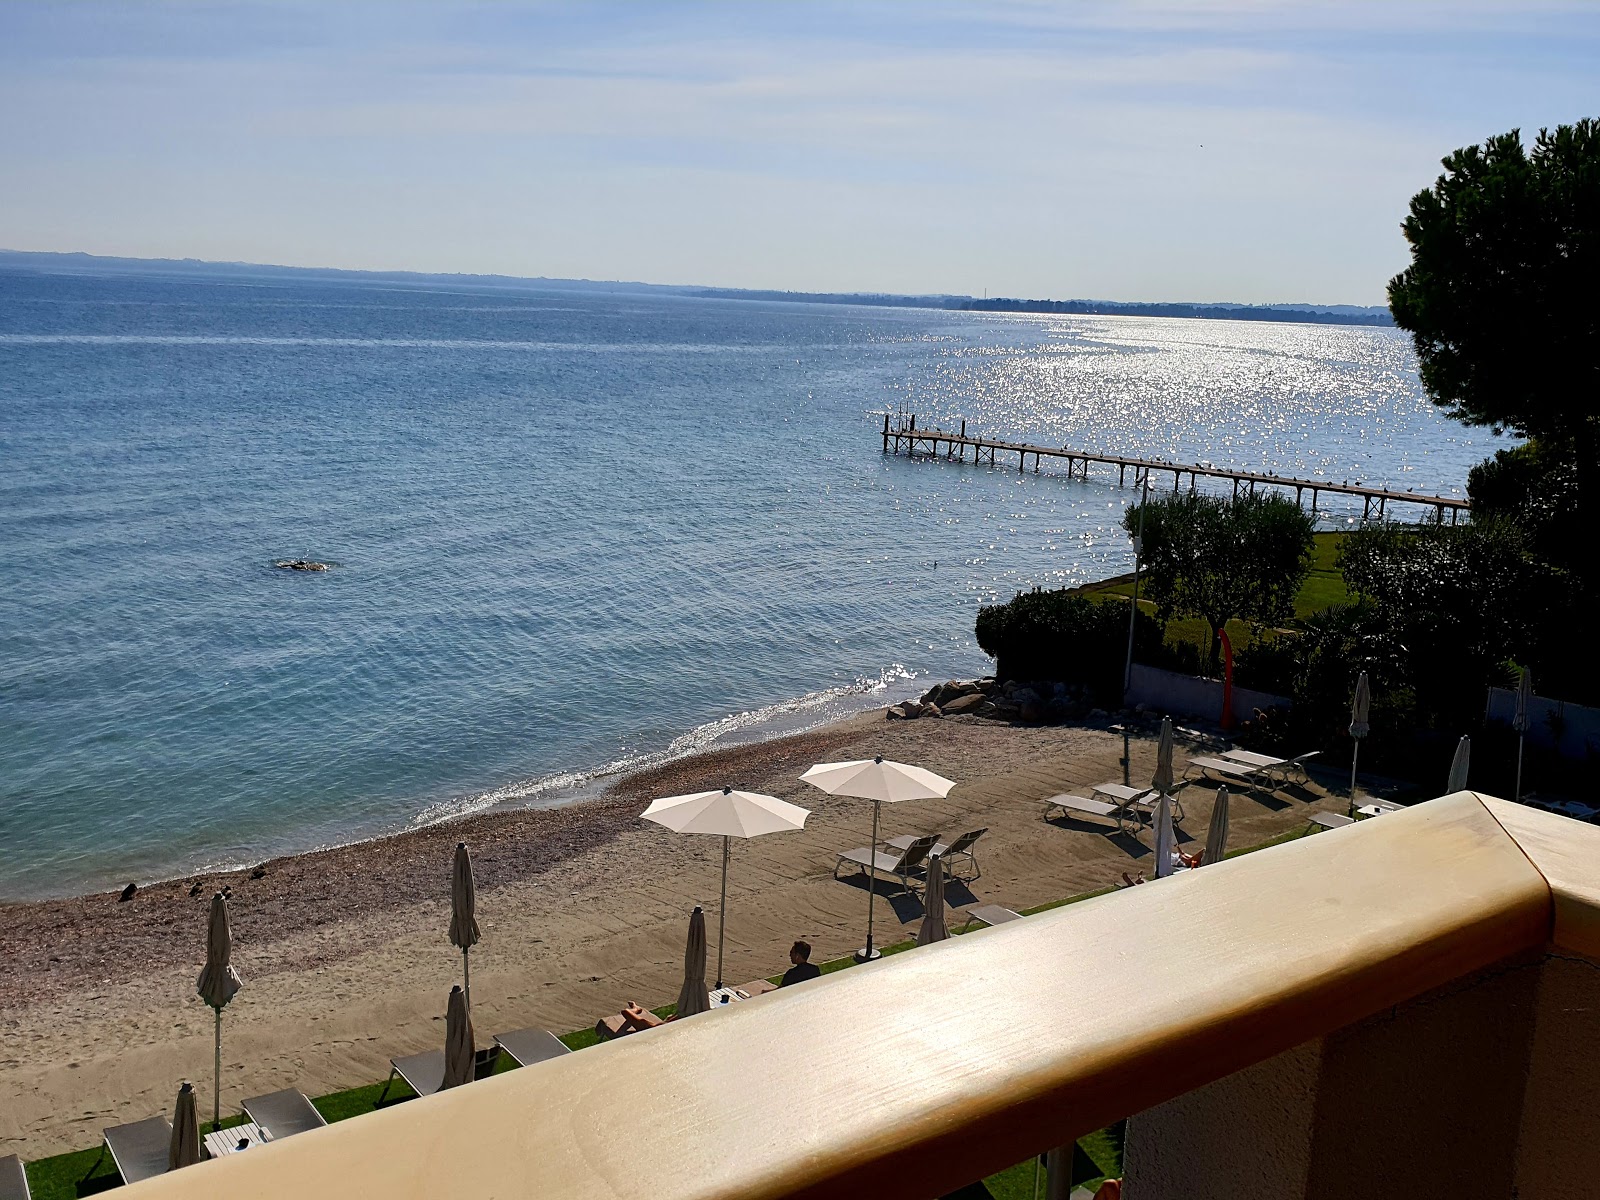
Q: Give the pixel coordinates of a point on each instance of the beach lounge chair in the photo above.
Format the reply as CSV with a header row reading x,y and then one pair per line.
x,y
13,1179
424,1073
528,1046
1225,770
1331,820
759,987
1280,768
960,848
139,1149
283,1114
900,863
1138,805
1066,804
992,914
631,1019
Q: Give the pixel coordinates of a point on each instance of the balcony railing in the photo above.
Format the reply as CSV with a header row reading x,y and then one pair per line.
x,y
913,1076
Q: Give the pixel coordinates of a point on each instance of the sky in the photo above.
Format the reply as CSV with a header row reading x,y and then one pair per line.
x,y
1224,150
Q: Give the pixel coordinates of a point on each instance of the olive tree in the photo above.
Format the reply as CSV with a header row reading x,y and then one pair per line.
x,y
1223,560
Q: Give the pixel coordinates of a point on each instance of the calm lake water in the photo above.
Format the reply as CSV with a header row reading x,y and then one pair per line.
x,y
570,530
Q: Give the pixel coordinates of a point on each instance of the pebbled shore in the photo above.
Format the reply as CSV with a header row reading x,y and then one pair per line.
x,y
346,961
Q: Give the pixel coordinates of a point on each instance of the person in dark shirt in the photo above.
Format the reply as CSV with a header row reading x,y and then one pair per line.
x,y
800,956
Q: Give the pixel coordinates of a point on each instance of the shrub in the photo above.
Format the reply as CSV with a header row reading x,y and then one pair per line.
x,y
1058,635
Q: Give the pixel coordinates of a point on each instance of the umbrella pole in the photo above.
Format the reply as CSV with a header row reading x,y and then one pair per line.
x,y
216,1087
868,954
1517,795
466,977
1355,757
722,909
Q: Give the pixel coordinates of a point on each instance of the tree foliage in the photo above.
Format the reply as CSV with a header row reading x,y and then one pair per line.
x,y
1500,296
1221,560
1452,608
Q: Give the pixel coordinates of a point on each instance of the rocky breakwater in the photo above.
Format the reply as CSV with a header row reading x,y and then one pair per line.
x,y
1033,703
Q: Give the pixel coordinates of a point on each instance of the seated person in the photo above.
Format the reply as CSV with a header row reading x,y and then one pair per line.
x,y
800,956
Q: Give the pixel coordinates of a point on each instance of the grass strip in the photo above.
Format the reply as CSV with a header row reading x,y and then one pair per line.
x,y
58,1177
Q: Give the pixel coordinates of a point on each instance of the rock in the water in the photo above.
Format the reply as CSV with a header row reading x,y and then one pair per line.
x,y
963,704
301,564
128,893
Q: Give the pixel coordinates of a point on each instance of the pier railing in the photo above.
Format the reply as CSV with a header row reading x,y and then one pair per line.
x,y
903,437
911,1077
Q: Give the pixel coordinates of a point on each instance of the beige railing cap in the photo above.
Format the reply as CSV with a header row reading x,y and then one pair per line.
x,y
909,1077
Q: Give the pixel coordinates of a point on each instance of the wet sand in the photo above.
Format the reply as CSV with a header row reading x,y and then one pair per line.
x,y
345,956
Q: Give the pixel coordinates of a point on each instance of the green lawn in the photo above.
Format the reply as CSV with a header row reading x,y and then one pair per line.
x,y
58,1178
1323,588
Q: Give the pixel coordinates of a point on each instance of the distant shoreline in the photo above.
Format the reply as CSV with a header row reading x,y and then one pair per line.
x,y
76,262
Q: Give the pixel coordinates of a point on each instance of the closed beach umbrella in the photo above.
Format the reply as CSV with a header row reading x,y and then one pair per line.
x,y
726,814
184,1149
218,984
693,997
1166,840
463,914
882,782
1217,831
1520,722
1359,729
459,1049
933,926
1459,766
1162,780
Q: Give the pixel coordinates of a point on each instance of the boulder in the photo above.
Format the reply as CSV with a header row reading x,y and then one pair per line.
x,y
932,710
896,712
967,703
1030,711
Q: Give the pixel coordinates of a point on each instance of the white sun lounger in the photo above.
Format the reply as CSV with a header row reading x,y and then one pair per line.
x,y
1066,804
1226,771
13,1179
1283,767
992,915
283,1114
960,848
1331,820
139,1148
528,1046
424,1073
900,864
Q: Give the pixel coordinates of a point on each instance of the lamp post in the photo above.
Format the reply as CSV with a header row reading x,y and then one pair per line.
x,y
1133,616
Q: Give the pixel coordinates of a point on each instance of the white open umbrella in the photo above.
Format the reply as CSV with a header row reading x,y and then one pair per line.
x,y
882,782
1217,831
726,814
1359,729
1459,766
933,928
1520,722
1166,839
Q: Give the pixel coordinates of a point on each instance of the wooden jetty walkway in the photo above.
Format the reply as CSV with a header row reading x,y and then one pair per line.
x,y
903,437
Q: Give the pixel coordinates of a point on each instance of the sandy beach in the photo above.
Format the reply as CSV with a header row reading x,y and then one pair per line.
x,y
344,952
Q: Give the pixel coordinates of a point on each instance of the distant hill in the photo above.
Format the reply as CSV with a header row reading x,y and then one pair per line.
x,y
194,268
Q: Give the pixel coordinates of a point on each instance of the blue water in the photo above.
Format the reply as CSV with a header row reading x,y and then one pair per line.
x,y
570,529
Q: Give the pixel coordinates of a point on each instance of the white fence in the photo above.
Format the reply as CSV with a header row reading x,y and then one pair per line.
x,y
1572,730
1185,695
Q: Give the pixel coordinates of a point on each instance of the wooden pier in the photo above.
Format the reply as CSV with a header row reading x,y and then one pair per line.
x,y
903,437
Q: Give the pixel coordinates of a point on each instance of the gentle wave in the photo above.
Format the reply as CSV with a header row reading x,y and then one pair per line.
x,y
800,715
